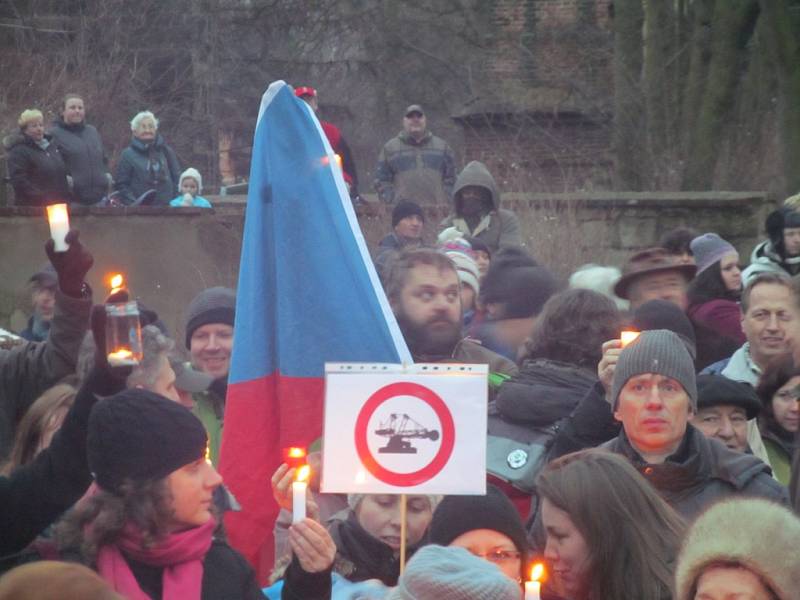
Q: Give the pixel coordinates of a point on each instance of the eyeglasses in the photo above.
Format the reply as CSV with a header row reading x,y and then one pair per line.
x,y
499,556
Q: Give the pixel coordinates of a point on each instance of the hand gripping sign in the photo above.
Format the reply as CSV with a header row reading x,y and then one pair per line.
x,y
419,429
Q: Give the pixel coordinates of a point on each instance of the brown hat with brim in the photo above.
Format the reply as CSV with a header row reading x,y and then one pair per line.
x,y
647,262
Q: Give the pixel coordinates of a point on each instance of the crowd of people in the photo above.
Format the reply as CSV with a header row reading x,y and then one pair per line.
x,y
661,464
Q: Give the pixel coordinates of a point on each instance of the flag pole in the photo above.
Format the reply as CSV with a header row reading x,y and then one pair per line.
x,y
402,533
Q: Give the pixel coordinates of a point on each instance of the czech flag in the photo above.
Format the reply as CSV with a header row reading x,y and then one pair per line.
x,y
308,294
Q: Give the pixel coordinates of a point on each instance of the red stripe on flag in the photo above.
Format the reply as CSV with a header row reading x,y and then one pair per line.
x,y
263,416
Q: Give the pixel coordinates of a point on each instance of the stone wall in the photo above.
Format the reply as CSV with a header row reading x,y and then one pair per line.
x,y
169,255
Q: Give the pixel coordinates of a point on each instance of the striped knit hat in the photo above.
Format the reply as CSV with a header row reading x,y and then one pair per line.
x,y
656,351
467,269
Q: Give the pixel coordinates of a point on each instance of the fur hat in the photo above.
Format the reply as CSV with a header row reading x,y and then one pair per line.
x,y
214,305
452,574
758,534
194,174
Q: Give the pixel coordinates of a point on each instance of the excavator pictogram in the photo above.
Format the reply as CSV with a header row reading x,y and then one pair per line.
x,y
399,429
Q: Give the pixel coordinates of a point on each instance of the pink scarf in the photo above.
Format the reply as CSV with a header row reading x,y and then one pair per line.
x,y
180,554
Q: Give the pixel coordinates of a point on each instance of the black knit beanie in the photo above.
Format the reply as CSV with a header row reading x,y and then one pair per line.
x,y
141,436
214,305
457,515
516,280
404,209
662,314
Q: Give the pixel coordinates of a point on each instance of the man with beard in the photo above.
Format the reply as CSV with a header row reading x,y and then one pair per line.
x,y
424,291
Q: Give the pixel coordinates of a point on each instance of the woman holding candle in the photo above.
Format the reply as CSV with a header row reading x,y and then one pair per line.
x,y
609,534
149,527
35,164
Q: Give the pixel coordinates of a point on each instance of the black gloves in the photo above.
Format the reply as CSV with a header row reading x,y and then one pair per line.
x,y
71,266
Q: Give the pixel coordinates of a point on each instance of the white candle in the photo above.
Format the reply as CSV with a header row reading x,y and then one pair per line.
x,y
533,590
299,489
626,337
58,217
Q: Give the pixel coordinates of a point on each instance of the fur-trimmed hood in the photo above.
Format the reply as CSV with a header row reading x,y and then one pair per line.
x,y
760,535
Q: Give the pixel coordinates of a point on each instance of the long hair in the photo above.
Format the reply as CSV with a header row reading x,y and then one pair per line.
x,y
44,416
775,376
709,285
98,520
633,536
572,328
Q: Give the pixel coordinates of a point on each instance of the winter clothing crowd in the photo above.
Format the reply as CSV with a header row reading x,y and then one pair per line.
x,y
642,422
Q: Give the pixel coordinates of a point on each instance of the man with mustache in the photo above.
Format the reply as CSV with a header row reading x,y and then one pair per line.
x,y
424,291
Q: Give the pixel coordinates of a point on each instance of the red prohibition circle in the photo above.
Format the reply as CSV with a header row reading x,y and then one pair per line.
x,y
438,462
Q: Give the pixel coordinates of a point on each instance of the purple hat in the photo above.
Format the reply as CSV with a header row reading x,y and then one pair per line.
x,y
708,249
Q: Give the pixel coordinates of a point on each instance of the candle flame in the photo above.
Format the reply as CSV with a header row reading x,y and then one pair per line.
x,y
120,353
296,452
626,337
57,213
303,473
537,571
338,160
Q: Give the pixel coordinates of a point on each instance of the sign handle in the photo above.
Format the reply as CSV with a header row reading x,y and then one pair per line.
x,y
402,533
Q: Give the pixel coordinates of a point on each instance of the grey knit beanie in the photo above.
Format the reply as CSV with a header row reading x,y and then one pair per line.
x,y
656,351
438,572
214,305
708,249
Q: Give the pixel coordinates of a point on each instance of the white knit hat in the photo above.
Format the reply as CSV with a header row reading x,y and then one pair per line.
x,y
194,174
467,268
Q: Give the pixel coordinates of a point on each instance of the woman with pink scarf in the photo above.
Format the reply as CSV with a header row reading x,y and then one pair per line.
x,y
148,530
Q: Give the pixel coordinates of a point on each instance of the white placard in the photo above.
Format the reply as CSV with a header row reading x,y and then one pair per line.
x,y
419,429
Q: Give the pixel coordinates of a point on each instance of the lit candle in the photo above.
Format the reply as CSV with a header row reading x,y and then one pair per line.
x,y
117,282
626,337
58,217
299,488
533,588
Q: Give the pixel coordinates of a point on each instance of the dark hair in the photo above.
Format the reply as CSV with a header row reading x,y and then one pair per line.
x,y
68,97
572,328
709,285
678,240
405,260
632,534
147,505
763,278
34,424
775,376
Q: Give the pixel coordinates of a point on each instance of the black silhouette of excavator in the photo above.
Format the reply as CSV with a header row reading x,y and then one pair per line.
x,y
399,429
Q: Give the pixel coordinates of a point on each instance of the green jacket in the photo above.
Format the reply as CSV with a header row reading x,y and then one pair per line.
x,y
209,408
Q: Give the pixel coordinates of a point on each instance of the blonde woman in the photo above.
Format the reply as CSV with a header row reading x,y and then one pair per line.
x,y
35,165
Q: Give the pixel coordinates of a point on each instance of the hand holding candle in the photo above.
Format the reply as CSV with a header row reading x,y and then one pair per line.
x,y
299,491
533,588
626,337
58,218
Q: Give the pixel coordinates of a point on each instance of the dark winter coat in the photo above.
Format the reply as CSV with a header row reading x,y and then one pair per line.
x,y
422,171
500,227
36,494
38,176
701,472
28,370
522,423
82,150
226,575
148,166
